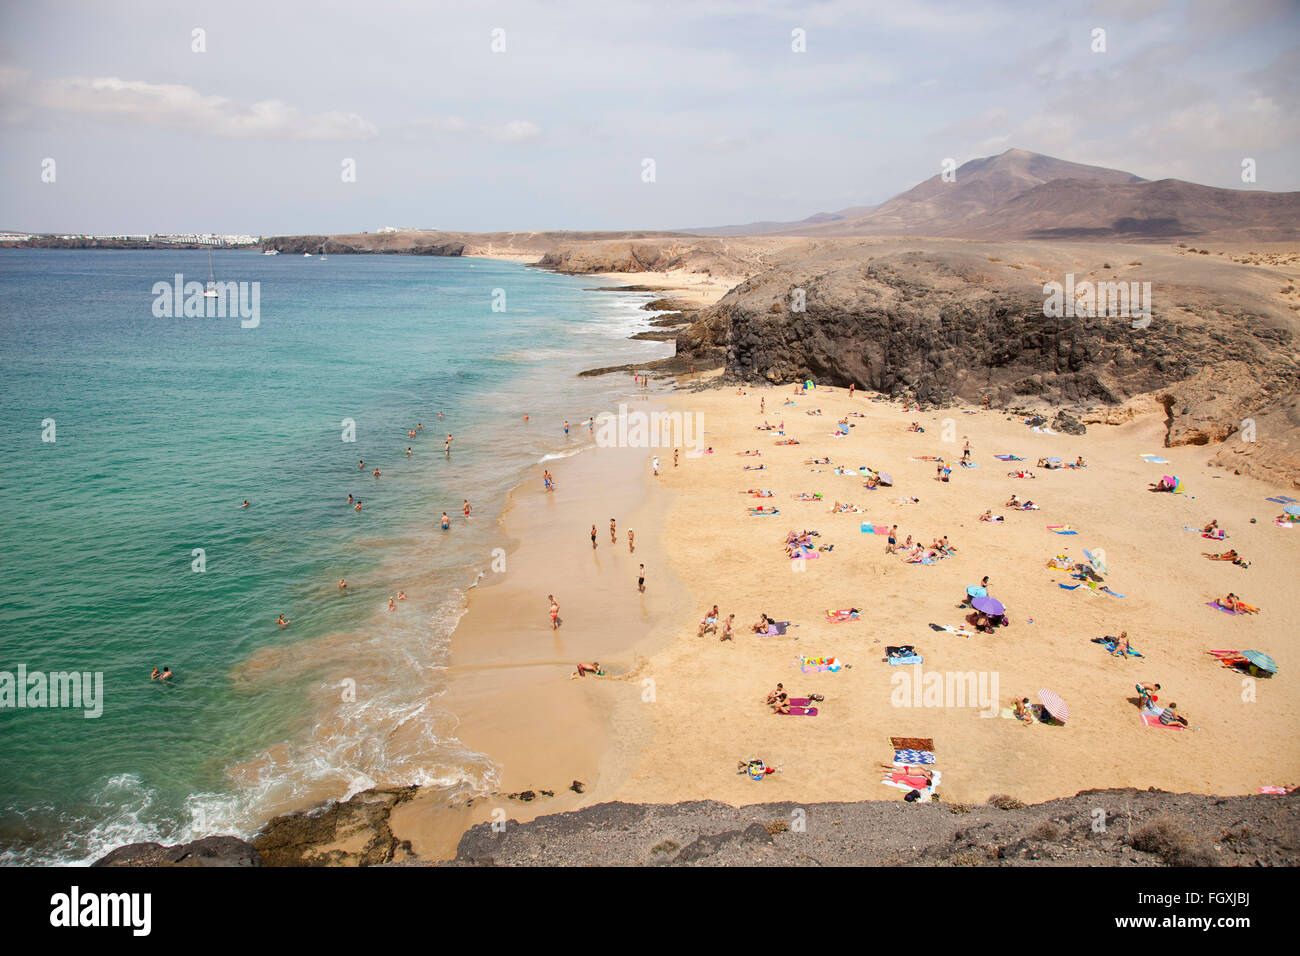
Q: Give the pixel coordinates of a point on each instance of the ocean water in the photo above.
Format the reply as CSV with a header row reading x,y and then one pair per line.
x,y
162,427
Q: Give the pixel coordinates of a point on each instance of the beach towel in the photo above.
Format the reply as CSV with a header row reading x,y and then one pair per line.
x,y
1277,790
913,758
805,555
902,781
840,616
953,629
800,712
1219,607
912,743
1154,460
899,661
1151,720
763,512
1110,646
1061,529
1281,500
1008,458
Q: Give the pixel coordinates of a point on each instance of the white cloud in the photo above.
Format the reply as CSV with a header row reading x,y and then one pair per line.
x,y
174,106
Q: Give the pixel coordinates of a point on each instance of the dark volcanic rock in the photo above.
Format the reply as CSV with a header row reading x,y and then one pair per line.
x,y
1124,827
210,851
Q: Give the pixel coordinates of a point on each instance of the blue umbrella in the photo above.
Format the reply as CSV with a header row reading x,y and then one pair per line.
x,y
1292,509
976,591
1260,660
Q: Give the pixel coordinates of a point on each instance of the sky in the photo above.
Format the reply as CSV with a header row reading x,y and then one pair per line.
x,y
489,116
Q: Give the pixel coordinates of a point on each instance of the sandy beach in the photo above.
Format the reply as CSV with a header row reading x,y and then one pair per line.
x,y
1243,736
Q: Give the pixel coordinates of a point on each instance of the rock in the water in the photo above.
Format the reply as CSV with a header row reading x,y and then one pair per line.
x,y
210,851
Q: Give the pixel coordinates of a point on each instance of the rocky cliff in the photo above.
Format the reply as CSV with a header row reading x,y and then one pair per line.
x,y
949,322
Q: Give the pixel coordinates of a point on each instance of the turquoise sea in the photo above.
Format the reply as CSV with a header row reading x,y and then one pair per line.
x,y
162,427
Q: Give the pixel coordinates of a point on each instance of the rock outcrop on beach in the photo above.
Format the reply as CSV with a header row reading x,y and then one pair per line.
x,y
354,832
1093,828
949,322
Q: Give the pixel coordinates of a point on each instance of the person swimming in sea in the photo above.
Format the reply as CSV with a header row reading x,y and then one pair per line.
x,y
281,621
245,504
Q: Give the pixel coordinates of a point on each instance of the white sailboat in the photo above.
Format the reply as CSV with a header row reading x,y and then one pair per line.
x,y
211,291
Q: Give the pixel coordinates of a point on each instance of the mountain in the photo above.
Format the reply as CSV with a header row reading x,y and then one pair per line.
x,y
1024,195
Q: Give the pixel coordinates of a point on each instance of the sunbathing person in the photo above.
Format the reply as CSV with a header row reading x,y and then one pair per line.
x,y
987,515
781,705
773,695
1122,646
1078,462
1012,502
1170,715
1210,528
871,481
817,461
1236,605
917,555
585,669
764,622
1229,555
1024,711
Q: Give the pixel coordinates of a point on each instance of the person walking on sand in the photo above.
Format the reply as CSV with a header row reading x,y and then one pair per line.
x,y
675,457
613,536
762,406
640,581
555,612
728,631
593,537
851,387
630,546
965,452
655,464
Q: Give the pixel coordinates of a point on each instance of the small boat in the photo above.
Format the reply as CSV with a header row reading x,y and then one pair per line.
x,y
271,252
306,255
211,291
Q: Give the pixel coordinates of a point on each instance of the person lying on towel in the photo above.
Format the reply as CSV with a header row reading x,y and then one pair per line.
x,y
1169,715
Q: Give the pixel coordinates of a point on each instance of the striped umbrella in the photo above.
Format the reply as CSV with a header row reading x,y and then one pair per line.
x,y
1261,660
1054,705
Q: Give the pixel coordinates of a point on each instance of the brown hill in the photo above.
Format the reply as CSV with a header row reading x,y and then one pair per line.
x,y
1022,195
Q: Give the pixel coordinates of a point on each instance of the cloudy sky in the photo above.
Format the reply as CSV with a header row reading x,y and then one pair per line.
x,y
552,131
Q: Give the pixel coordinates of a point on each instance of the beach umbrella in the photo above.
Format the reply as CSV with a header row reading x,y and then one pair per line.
x,y
886,479
1054,459
988,605
1054,705
1260,660
976,591
1095,560
1170,481
1292,509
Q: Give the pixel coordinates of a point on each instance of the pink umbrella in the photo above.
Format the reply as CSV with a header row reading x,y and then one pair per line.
x,y
1054,705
